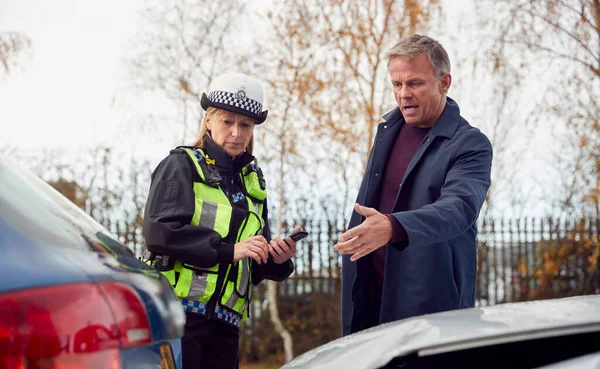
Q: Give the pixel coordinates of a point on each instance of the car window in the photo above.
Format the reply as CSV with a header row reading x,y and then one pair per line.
x,y
531,352
41,213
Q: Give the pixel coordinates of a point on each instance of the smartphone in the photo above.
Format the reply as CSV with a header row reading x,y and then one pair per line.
x,y
298,236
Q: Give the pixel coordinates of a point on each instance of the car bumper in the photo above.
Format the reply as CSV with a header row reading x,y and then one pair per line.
x,y
155,356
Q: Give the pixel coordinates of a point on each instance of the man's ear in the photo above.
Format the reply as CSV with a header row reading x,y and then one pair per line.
x,y
445,82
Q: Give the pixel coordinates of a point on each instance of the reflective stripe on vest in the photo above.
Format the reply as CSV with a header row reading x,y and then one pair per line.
x,y
214,210
196,286
214,213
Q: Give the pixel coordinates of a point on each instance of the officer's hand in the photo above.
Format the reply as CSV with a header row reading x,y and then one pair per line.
x,y
252,247
282,251
374,232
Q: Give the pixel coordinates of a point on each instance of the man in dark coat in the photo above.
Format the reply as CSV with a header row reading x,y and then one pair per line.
x,y
410,248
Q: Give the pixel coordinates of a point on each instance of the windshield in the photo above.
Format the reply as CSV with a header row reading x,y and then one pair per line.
x,y
41,213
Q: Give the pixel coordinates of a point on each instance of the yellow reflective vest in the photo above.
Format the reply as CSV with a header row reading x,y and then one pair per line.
x,y
197,287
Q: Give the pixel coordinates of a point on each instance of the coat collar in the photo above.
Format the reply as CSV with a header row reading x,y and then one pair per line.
x,y
446,125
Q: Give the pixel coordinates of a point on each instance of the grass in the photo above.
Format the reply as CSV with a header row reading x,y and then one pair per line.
x,y
259,366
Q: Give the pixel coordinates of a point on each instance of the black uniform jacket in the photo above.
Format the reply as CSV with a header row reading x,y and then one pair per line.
x,y
170,208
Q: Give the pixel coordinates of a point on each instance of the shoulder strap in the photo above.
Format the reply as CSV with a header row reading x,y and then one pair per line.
x,y
205,167
254,181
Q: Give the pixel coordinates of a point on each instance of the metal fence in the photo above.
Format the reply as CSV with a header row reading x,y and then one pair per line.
x,y
528,259
518,260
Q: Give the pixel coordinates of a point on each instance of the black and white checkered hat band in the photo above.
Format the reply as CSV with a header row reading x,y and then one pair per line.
x,y
242,102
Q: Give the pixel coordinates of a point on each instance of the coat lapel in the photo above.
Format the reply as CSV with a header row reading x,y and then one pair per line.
x,y
446,126
418,155
385,138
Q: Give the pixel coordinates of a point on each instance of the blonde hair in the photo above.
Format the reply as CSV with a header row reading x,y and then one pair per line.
x,y
211,113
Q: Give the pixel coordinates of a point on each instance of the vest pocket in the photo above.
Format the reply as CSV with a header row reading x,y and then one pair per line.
x,y
236,296
197,285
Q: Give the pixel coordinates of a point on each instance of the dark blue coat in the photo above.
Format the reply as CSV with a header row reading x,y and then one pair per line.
x,y
438,203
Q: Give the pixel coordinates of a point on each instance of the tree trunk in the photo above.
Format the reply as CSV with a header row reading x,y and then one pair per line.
x,y
272,285
274,314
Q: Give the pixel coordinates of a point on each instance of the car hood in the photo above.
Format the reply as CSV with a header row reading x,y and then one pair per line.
x,y
456,330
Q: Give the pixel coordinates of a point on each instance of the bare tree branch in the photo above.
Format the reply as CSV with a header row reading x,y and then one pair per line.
x,y
13,47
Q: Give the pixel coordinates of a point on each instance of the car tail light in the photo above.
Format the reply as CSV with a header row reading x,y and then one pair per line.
x,y
70,326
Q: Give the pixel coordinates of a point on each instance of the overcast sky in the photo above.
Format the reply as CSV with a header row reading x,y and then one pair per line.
x,y
63,98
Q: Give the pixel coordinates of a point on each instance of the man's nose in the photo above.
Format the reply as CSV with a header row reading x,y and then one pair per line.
x,y
405,93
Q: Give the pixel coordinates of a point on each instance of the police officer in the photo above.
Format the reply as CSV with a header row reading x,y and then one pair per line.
x,y
206,217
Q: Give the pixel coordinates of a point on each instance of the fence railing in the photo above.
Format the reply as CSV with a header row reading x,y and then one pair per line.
x,y
518,260
530,259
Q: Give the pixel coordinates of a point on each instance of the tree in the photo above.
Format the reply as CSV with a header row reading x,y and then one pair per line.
x,y
281,135
562,37
180,47
337,79
351,90
112,193
567,264
559,40
14,46
327,76
493,98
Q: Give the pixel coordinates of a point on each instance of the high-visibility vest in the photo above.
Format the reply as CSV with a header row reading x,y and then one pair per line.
x,y
213,209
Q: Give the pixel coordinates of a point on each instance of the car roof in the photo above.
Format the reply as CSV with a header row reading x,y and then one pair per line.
x,y
457,330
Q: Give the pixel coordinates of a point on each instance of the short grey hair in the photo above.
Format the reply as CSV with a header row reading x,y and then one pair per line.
x,y
414,45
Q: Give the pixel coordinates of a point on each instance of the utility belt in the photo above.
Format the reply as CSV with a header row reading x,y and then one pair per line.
x,y
197,287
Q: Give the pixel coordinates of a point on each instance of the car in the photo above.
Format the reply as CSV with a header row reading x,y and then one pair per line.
x,y
71,294
550,334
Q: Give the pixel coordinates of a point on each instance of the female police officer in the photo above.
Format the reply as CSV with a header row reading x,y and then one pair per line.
x,y
206,217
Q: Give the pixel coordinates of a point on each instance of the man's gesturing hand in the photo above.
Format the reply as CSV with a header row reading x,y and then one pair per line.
x,y
255,247
374,232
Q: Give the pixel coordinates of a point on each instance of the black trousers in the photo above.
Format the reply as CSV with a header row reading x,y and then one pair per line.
x,y
209,344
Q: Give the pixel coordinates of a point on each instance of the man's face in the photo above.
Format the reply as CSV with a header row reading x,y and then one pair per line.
x,y
419,94
231,131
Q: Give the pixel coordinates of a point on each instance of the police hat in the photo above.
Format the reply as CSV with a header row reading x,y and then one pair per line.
x,y
237,93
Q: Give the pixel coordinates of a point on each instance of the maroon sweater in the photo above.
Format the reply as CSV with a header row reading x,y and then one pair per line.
x,y
406,145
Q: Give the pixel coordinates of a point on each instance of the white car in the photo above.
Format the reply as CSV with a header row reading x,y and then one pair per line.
x,y
550,334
